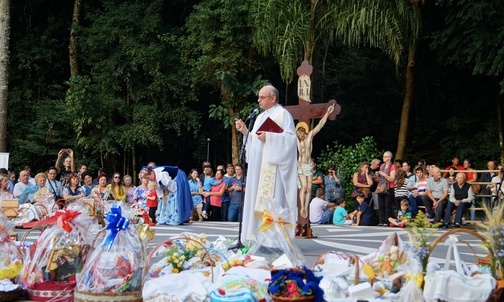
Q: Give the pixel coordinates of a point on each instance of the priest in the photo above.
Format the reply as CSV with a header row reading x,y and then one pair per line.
x,y
272,164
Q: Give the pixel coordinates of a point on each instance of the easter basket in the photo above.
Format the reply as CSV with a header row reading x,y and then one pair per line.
x,y
52,261
179,268
12,295
294,284
114,268
466,282
10,207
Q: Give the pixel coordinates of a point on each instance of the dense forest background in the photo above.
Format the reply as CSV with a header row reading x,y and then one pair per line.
x,y
154,80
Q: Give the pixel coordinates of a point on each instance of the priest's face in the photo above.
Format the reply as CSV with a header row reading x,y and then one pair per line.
x,y
265,100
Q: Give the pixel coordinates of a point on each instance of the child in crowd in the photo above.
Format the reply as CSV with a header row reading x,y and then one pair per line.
x,y
207,186
362,215
403,216
152,202
341,217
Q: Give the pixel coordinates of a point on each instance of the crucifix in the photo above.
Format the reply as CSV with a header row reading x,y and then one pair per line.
x,y
303,112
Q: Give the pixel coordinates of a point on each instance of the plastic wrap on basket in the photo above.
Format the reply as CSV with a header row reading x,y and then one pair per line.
x,y
273,237
10,255
115,265
51,263
181,269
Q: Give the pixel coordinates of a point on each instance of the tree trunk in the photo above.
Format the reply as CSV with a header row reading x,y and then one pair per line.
x,y
72,48
407,101
499,121
4,70
235,143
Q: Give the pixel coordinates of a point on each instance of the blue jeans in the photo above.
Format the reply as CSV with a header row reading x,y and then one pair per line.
x,y
234,212
326,217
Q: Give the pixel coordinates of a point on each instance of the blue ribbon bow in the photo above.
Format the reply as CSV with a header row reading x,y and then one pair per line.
x,y
116,223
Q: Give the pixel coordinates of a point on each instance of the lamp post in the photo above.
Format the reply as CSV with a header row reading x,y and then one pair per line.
x,y
208,150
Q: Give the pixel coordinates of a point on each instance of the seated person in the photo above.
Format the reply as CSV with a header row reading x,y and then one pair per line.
x,y
461,198
362,215
437,193
341,217
403,216
419,195
321,211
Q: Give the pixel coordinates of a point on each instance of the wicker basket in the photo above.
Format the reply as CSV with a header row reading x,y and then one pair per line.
x,y
12,295
99,297
10,208
51,295
444,236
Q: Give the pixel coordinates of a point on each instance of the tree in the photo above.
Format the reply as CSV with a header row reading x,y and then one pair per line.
x,y
217,49
4,69
72,48
392,26
473,35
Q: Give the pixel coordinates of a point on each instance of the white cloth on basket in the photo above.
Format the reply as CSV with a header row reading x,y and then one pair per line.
x,y
451,286
187,286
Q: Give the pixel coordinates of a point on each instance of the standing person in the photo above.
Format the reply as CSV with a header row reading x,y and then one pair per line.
x,y
141,192
272,164
305,164
230,172
236,190
196,190
208,182
317,180
487,177
68,165
215,195
332,183
101,190
152,202
130,189
387,174
373,168
401,190
362,182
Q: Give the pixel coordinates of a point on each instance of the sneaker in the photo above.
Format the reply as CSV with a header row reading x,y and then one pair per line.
x,y
385,225
379,224
456,225
445,226
204,215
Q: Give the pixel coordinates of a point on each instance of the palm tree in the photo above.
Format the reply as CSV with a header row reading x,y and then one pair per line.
x,y
291,30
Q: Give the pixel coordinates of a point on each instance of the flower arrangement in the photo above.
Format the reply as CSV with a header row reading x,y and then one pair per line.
x,y
295,284
419,231
494,232
177,256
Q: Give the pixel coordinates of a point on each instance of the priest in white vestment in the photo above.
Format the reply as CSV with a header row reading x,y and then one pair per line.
x,y
272,165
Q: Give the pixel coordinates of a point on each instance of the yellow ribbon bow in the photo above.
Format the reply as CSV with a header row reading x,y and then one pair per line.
x,y
418,278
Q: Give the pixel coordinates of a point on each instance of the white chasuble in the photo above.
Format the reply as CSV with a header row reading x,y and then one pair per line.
x,y
272,172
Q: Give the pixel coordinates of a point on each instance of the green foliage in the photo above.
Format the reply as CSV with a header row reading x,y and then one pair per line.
x,y
472,35
346,159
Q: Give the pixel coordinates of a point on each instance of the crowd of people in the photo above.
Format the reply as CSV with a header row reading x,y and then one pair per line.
x,y
385,192
210,196
395,191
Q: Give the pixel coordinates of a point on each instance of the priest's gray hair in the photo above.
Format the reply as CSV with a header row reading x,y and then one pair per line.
x,y
274,92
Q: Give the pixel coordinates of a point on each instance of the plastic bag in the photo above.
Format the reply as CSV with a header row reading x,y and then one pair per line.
x,y
412,289
53,260
10,256
116,264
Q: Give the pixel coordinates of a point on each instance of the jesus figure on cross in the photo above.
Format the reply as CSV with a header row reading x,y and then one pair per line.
x,y
305,163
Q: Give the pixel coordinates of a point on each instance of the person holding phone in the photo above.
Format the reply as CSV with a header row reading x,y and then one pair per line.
x,y
68,166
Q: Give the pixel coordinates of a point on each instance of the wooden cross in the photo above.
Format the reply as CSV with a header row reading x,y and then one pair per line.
x,y
303,112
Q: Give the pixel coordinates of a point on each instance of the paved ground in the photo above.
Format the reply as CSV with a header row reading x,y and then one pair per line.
x,y
351,240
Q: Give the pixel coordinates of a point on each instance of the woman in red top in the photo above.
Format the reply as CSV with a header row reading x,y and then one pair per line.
x,y
216,196
387,173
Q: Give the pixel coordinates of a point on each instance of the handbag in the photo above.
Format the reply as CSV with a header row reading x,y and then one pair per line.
x,y
382,188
